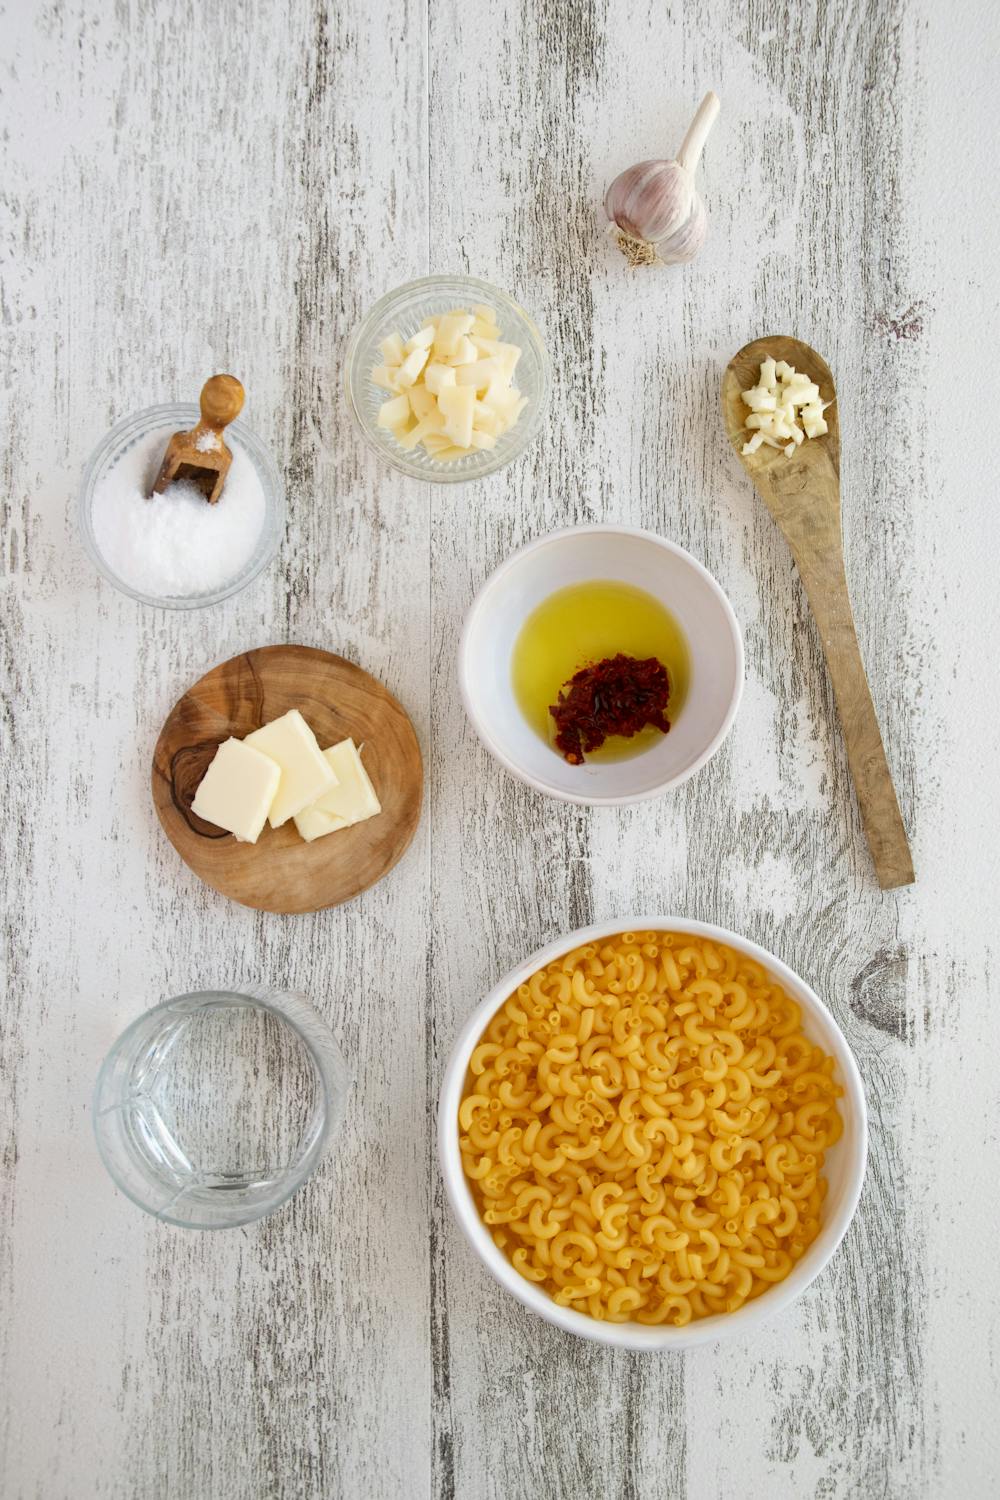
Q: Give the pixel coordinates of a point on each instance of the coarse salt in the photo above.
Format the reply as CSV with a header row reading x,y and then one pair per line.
x,y
175,545
207,442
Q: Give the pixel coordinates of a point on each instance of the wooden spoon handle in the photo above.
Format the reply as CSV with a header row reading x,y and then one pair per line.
x,y
221,402
831,606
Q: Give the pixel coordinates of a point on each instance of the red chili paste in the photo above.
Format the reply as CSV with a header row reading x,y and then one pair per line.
x,y
619,695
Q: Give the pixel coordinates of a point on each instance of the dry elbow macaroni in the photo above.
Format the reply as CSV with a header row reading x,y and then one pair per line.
x,y
644,1127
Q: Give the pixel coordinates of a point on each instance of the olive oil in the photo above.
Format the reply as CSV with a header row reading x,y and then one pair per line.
x,y
581,625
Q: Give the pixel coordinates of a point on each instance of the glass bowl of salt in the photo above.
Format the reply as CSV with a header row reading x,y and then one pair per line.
x,y
175,551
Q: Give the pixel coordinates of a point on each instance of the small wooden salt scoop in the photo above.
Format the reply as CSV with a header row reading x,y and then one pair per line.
x,y
201,455
802,492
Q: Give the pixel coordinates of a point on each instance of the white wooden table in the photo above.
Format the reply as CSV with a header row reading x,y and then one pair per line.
x,y
189,188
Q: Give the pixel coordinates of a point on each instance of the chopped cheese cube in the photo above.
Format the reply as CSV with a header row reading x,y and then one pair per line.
x,y
422,401
485,420
509,354
458,352
465,352
450,329
422,339
437,376
458,405
394,413
480,373
352,800
433,423
500,398
305,775
237,790
411,367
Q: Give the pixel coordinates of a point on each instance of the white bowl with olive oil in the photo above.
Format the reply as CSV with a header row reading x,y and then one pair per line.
x,y
573,599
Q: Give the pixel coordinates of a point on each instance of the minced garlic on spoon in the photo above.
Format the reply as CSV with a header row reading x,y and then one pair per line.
x,y
785,409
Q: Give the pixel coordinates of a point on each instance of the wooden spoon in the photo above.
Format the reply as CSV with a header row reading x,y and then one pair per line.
x,y
201,455
803,495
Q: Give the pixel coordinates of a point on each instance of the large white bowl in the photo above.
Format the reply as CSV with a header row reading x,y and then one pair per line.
x,y
844,1167
626,554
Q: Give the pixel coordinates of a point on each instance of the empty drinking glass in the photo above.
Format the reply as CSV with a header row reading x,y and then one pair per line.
x,y
211,1109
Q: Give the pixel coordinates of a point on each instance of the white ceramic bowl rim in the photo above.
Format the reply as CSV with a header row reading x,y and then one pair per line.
x,y
637,1335
466,666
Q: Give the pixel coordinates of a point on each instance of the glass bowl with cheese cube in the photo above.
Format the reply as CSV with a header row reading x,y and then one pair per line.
x,y
447,378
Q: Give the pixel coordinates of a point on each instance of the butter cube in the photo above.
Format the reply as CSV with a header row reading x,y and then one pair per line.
x,y
305,774
351,801
237,790
313,824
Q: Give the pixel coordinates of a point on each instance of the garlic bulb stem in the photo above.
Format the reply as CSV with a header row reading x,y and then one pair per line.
x,y
694,142
657,215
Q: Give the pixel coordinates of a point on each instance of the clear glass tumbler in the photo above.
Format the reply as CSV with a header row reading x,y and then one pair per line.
x,y
211,1109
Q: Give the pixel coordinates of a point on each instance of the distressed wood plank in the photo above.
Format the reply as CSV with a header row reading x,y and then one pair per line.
x,y
206,199
806,188
351,1345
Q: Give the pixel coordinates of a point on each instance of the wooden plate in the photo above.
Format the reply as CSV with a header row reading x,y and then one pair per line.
x,y
281,872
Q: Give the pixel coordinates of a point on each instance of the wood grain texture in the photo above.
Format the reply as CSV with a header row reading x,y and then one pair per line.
x,y
802,492
351,1346
339,701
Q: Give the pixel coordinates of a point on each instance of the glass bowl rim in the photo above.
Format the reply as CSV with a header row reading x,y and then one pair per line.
x,y
166,413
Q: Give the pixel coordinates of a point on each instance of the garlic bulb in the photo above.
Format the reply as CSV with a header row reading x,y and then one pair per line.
x,y
656,215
